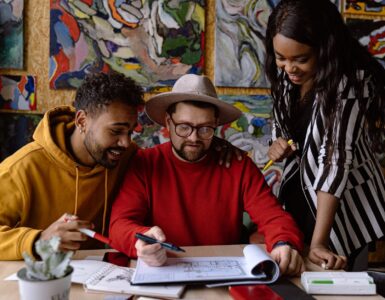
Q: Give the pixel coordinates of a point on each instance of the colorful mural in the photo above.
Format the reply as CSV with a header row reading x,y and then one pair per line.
x,y
371,34
148,134
11,34
17,92
239,42
252,131
154,42
364,7
16,130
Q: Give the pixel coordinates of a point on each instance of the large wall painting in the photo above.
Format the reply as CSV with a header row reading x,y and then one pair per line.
x,y
11,34
16,130
17,92
364,7
154,42
252,132
239,42
371,34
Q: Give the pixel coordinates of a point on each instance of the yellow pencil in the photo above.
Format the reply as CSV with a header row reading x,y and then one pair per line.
x,y
270,162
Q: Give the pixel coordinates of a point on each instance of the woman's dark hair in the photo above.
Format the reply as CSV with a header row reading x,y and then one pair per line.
x,y
318,23
98,90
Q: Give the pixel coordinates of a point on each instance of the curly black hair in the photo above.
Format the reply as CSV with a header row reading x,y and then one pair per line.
x,y
98,90
319,24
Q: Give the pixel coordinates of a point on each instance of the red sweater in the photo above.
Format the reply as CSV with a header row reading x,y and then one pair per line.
x,y
195,203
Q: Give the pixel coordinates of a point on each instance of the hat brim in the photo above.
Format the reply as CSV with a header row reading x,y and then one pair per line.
x,y
157,106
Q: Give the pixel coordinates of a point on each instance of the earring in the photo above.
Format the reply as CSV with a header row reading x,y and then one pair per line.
x,y
81,129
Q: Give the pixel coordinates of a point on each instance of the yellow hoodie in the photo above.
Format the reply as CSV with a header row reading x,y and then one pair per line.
x,y
41,182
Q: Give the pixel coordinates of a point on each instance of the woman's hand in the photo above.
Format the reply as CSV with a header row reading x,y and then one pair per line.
x,y
322,256
226,151
280,149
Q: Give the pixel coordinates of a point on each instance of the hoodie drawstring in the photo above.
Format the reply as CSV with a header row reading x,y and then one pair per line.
x,y
105,197
76,191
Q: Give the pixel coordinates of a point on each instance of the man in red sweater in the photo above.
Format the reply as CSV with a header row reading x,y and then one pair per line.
x,y
177,190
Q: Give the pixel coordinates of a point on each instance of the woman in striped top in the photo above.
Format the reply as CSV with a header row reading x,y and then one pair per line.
x,y
329,97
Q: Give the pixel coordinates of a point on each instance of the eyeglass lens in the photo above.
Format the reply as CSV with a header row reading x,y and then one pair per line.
x,y
185,130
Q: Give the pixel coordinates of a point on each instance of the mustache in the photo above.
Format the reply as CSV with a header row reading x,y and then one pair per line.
x,y
192,144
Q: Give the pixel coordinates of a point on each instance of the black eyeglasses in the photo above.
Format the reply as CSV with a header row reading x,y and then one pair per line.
x,y
185,130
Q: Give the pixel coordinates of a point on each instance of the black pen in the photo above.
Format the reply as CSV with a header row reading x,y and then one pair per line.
x,y
150,240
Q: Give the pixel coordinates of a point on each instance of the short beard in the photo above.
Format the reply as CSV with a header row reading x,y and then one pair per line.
x,y
98,154
182,154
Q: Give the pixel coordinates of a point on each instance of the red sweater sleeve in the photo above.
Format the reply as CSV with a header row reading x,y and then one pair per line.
x,y
265,210
129,210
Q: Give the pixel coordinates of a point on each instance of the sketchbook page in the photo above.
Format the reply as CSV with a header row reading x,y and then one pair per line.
x,y
258,261
117,279
194,269
85,268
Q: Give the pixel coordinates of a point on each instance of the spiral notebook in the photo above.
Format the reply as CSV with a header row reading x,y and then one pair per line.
x,y
256,266
106,277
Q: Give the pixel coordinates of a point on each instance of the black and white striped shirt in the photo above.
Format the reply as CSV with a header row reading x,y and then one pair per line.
x,y
353,174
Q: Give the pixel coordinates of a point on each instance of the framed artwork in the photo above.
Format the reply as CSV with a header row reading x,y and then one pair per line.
x,y
153,42
18,92
148,134
239,42
371,34
16,130
364,7
11,34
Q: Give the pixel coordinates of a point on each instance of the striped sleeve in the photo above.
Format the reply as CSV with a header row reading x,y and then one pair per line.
x,y
332,175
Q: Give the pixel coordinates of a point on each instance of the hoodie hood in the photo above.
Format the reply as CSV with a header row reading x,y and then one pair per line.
x,y
53,134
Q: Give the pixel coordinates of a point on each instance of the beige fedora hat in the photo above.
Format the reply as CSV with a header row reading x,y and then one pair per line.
x,y
190,87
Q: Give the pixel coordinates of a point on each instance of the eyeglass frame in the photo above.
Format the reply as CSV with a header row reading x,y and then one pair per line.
x,y
192,129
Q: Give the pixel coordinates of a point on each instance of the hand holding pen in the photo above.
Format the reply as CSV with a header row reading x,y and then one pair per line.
x,y
70,237
151,247
279,150
150,240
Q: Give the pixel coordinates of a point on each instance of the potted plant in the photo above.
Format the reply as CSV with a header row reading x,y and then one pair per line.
x,y
49,278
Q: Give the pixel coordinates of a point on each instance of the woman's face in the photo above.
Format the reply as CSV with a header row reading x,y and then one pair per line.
x,y
296,59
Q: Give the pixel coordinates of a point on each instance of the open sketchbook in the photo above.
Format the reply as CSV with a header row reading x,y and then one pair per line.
x,y
106,277
255,266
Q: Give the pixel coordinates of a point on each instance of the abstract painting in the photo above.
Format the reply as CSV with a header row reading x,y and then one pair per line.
x,y
148,134
17,92
364,7
16,130
252,132
11,34
153,42
239,42
371,34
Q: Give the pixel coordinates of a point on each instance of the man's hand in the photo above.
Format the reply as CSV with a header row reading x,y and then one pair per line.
x,y
289,260
153,255
280,149
325,258
66,228
226,151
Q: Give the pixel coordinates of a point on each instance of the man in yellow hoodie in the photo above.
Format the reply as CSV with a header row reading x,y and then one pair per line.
x,y
74,165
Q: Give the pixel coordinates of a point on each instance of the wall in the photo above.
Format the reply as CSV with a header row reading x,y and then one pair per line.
x,y
36,55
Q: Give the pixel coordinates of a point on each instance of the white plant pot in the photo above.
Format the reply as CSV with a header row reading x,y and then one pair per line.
x,y
55,289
